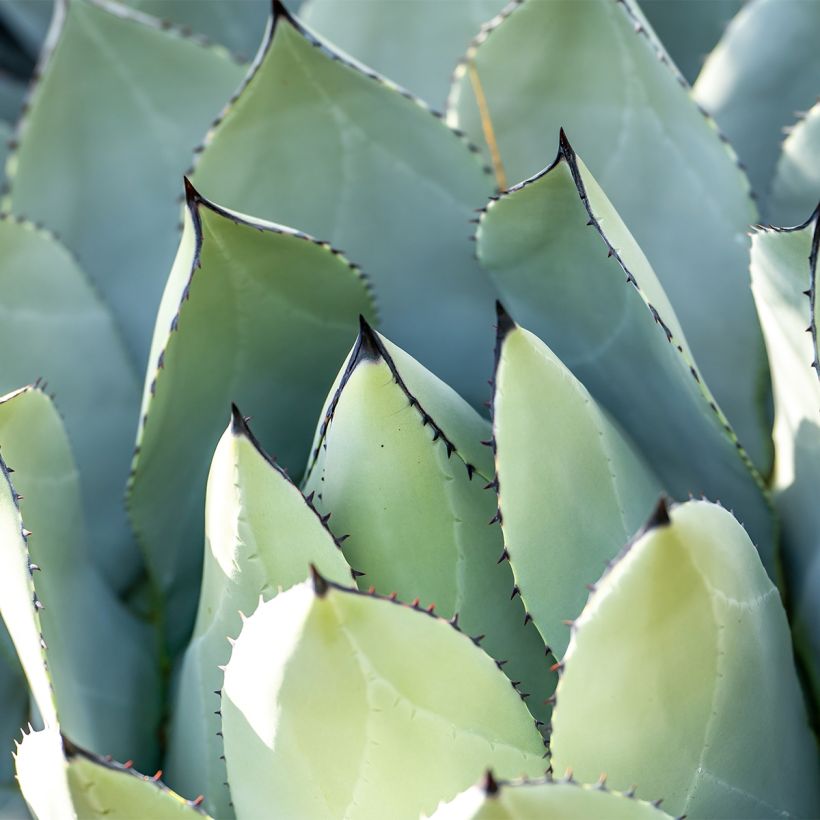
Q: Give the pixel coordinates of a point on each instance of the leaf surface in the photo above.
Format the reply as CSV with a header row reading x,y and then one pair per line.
x,y
596,69
319,143
416,43
600,308
359,692
107,136
253,313
763,71
261,535
101,660
784,279
572,487
61,331
693,639
400,466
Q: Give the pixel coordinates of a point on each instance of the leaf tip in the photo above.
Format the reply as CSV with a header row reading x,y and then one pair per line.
x,y
489,784
504,322
320,584
660,515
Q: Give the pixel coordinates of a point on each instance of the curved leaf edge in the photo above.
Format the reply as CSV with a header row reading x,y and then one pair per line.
x,y
641,29
52,41
567,154
281,16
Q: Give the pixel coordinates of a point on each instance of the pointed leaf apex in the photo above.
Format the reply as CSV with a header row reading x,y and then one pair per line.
x,y
660,515
489,784
192,196
280,12
369,345
320,585
563,144
505,323
239,427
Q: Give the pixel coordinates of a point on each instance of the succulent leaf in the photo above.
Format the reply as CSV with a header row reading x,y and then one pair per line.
x,y
104,126
400,466
261,536
796,184
28,20
689,29
316,141
603,312
387,35
684,649
676,185
784,279
60,781
15,707
253,313
764,69
100,658
572,489
60,330
547,800
332,694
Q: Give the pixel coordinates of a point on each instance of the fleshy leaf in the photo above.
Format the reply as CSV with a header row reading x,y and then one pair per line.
x,y
784,279
261,536
28,20
571,487
764,69
107,136
600,308
15,711
61,781
60,331
100,658
237,24
796,185
374,173
684,648
331,694
416,43
400,466
547,800
596,69
253,313
689,29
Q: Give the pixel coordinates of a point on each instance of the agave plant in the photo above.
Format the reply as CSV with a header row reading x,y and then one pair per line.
x,y
593,592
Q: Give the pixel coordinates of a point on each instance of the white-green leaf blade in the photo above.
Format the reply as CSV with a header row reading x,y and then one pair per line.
x,y
617,333
63,333
416,43
401,469
101,659
596,69
107,136
763,71
253,313
43,776
261,536
796,185
410,721
319,143
547,800
694,640
572,487
784,273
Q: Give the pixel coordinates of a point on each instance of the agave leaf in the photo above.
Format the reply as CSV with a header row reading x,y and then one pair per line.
x,y
416,43
254,313
673,181
12,93
12,805
108,136
689,29
400,466
572,487
237,24
699,675
547,799
360,692
796,184
764,69
28,20
261,536
784,274
60,330
542,246
374,173
15,711
5,134
100,657
60,780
